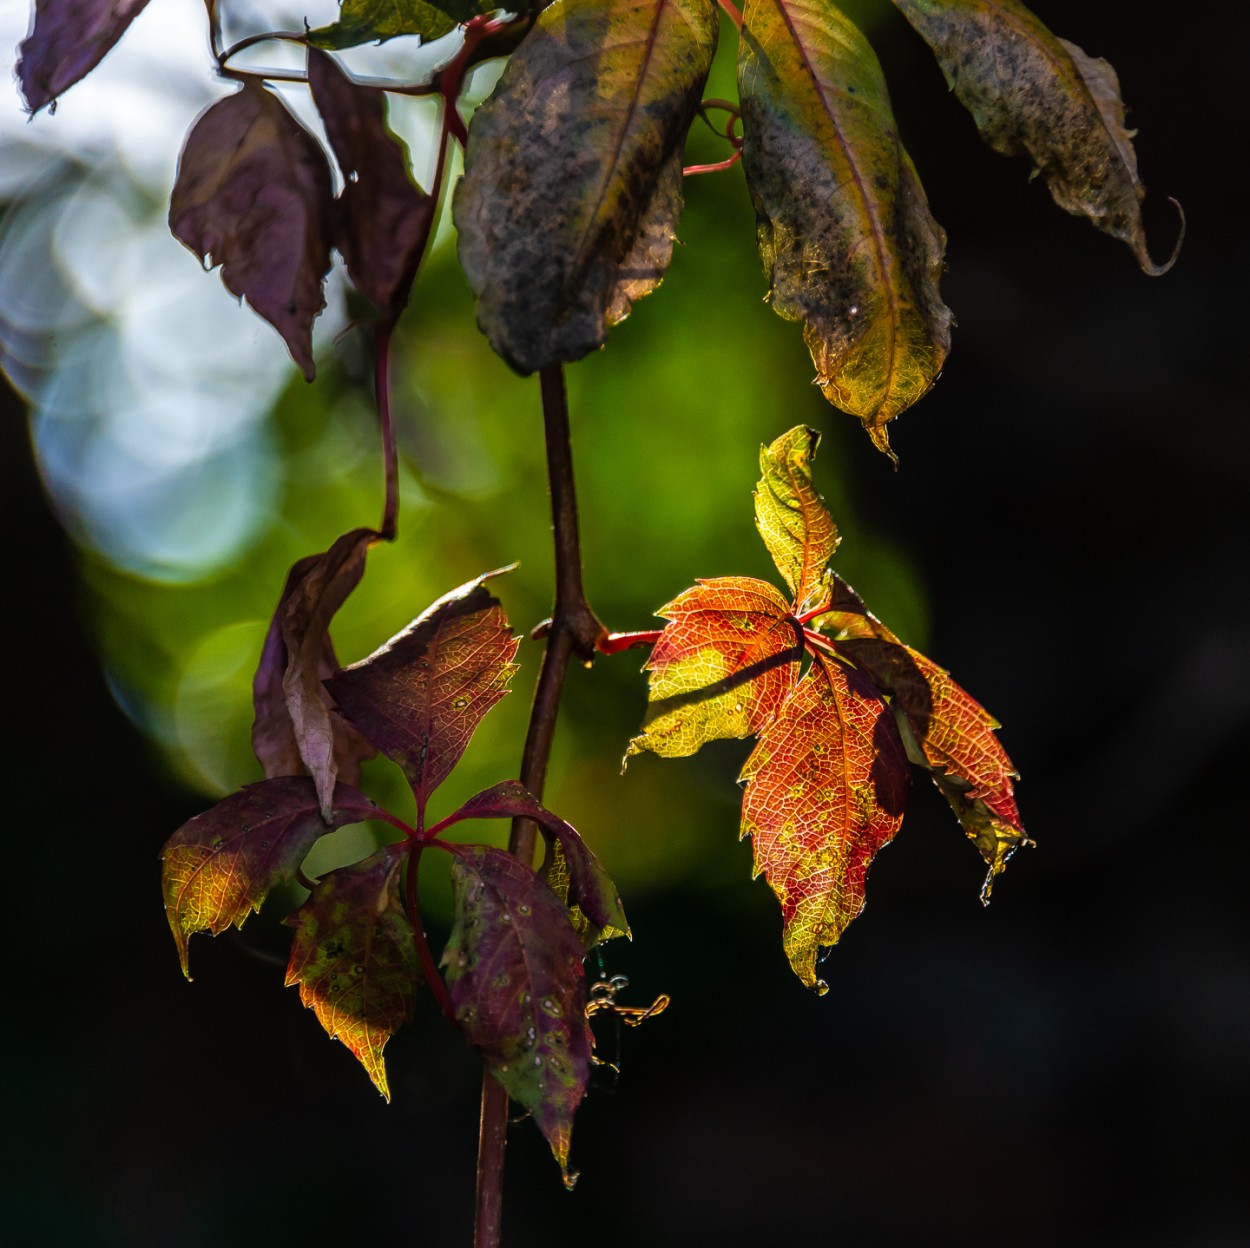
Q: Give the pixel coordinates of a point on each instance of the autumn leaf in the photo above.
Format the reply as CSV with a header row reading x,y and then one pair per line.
x,y
589,888
354,959
844,230
792,517
514,974
384,219
220,866
68,40
375,21
721,668
825,789
1032,94
421,696
253,195
572,187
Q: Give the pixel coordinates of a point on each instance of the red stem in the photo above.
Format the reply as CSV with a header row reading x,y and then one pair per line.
x,y
426,958
717,167
614,643
732,12
390,461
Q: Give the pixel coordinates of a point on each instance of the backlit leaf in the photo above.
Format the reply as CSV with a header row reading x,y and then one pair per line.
x,y
274,738
792,517
514,973
590,889
384,219
374,21
844,230
253,195
420,697
721,668
69,39
354,958
1034,95
567,209
220,866
825,788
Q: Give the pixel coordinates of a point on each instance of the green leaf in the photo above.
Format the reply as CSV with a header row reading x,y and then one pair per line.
x,y
1032,94
792,517
365,21
567,209
844,230
354,959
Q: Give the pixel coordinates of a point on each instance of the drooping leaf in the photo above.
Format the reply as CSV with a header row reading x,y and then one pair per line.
x,y
253,195
514,973
1034,95
354,959
721,668
792,517
375,21
420,697
274,740
572,188
384,219
590,889
844,230
825,788
220,866
69,39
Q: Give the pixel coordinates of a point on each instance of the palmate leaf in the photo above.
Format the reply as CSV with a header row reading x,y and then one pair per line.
x,y
825,789
514,972
354,959
572,187
844,229
375,21
1032,94
220,866
420,697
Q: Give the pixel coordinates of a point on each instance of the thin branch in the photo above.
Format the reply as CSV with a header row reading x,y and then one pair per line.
x,y
390,461
426,958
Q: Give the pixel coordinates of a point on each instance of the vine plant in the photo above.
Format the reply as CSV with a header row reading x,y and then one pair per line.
x,y
566,216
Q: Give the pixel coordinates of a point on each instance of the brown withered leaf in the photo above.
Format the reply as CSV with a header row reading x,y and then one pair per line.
x,y
383,218
567,210
1032,94
253,195
844,229
68,40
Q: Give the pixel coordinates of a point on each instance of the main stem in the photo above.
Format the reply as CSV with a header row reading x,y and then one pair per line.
x,y
574,630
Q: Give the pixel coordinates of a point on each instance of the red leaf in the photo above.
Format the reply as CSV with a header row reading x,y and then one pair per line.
x,y
420,698
70,38
825,788
220,866
721,668
354,958
253,193
514,973
384,219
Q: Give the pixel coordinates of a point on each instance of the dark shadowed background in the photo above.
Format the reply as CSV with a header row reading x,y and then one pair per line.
x,y
1067,533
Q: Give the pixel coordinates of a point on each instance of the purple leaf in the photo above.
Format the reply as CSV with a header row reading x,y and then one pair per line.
x,y
384,219
253,193
220,866
514,973
421,696
69,39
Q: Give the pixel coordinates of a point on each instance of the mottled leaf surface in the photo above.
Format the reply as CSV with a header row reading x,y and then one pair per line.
x,y
590,889
420,697
792,517
721,668
383,217
354,959
375,21
68,40
220,866
514,972
567,210
825,789
1032,94
844,231
253,195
